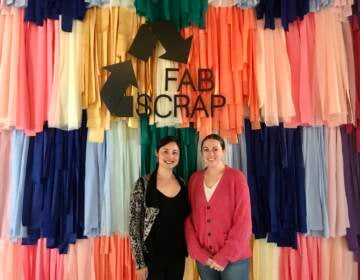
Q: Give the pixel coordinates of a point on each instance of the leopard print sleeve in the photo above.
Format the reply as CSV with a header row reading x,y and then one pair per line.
x,y
136,226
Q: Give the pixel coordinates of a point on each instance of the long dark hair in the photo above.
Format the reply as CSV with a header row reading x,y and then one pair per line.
x,y
164,141
152,180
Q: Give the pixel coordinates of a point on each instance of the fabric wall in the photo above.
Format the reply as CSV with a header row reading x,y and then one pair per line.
x,y
290,73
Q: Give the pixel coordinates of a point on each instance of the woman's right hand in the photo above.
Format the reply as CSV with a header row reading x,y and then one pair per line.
x,y
214,265
142,274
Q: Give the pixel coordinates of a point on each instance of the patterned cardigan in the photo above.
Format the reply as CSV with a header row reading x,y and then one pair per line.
x,y
143,215
141,220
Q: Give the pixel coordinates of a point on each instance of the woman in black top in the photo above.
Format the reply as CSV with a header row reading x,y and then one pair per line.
x,y
158,209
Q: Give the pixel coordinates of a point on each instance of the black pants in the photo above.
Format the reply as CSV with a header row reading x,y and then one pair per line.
x,y
160,269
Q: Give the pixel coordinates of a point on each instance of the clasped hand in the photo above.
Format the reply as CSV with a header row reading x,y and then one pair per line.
x,y
212,264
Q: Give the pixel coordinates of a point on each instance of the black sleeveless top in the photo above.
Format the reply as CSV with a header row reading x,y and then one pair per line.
x,y
166,239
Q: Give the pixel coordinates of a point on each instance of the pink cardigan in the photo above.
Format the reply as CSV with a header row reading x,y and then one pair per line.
x,y
221,228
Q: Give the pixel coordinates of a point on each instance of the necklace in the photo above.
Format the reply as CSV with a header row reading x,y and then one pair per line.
x,y
218,175
212,185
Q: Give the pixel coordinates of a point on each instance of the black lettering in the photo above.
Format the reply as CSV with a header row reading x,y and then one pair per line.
x,y
186,82
199,100
205,76
177,104
156,101
213,99
146,105
167,78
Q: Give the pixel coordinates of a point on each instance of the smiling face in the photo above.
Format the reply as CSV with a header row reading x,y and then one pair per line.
x,y
212,152
168,155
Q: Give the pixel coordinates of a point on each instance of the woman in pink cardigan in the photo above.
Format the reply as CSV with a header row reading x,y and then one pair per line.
x,y
218,230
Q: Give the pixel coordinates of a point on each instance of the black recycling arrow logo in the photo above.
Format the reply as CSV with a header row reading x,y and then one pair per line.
x,y
177,48
123,75
113,92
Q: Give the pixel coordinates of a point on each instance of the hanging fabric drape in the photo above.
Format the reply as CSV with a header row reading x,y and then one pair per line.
x,y
289,72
